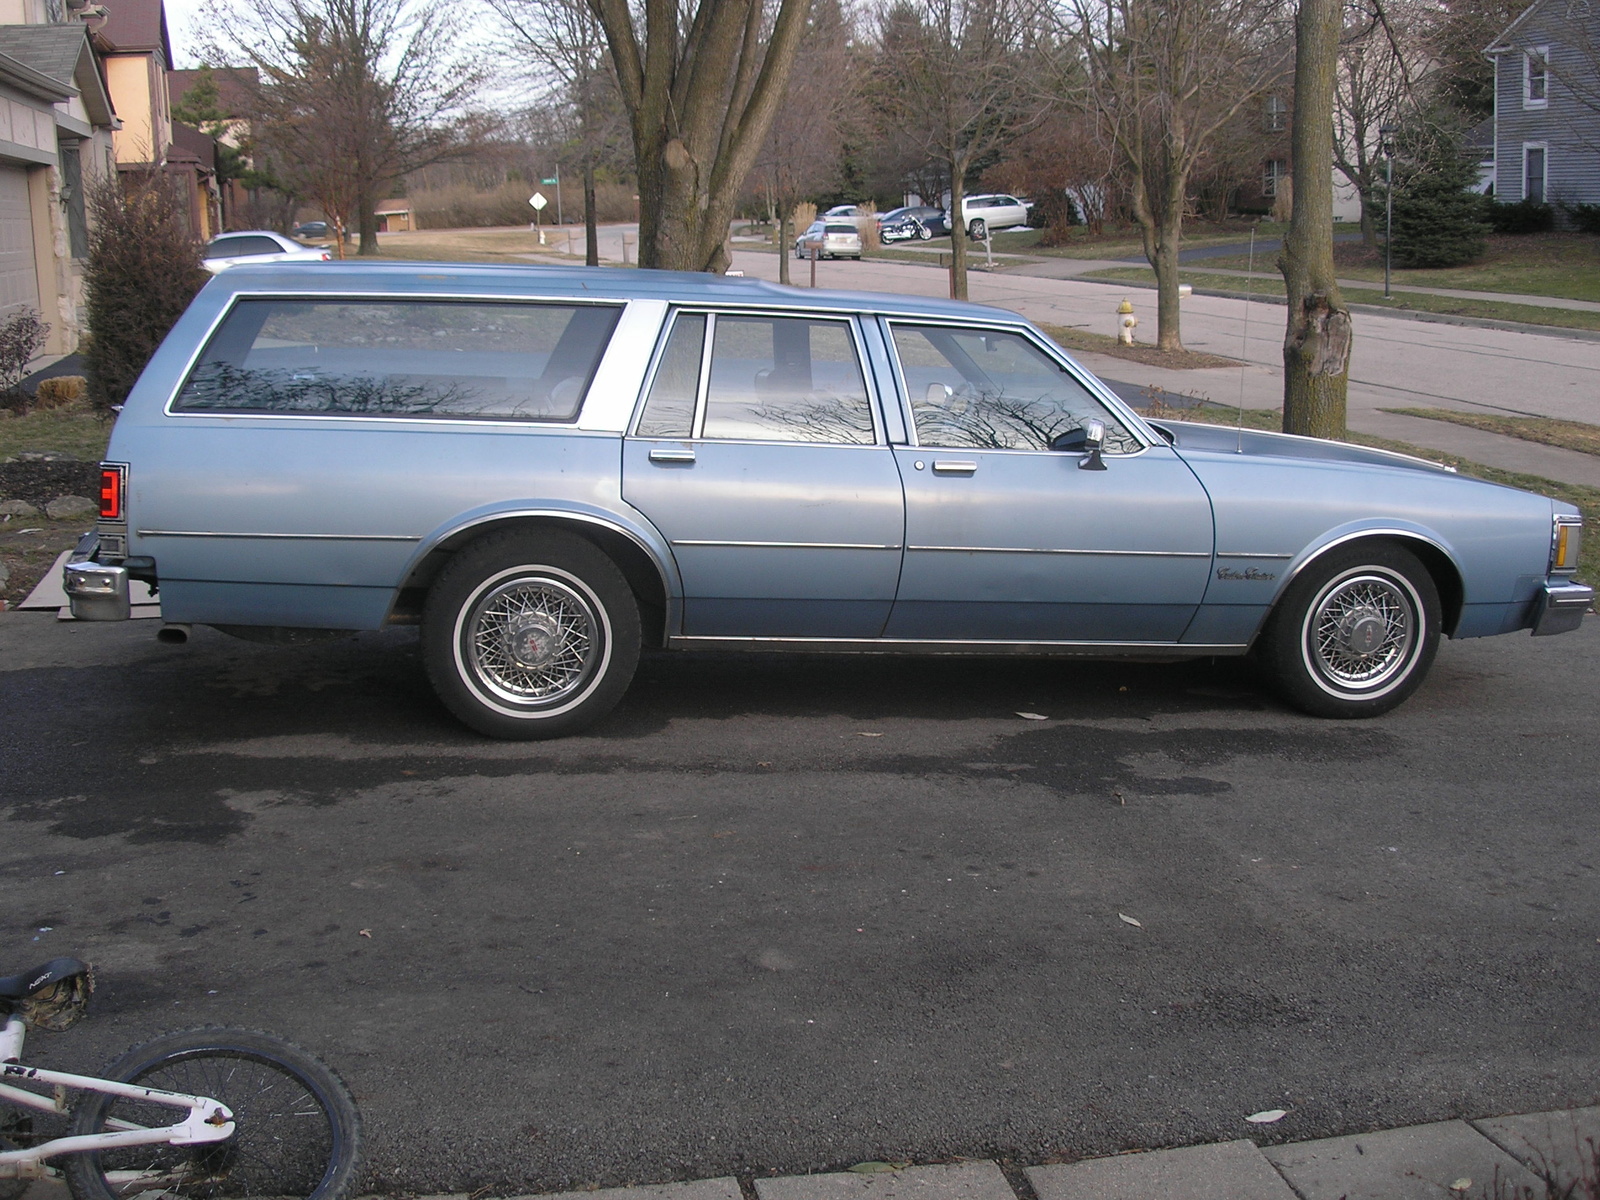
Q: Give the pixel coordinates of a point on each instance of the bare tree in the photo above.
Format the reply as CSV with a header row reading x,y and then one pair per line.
x,y
700,89
1316,346
349,95
1382,58
957,88
801,154
1165,76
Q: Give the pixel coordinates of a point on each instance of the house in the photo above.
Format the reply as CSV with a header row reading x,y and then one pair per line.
x,y
394,216
1547,104
137,52
57,126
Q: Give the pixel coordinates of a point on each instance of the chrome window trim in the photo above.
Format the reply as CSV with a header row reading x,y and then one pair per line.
x,y
850,319
1098,391
573,423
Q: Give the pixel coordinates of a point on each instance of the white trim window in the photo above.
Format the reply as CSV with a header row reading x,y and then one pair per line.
x,y
1535,171
1273,172
1536,77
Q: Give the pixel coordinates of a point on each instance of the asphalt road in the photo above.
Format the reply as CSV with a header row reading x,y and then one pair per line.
x,y
780,914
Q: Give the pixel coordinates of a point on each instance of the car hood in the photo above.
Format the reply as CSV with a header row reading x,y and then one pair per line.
x,y
1189,435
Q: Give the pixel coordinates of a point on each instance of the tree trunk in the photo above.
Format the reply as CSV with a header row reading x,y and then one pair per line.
x,y
958,234
1369,225
1316,346
784,226
1169,235
591,221
367,221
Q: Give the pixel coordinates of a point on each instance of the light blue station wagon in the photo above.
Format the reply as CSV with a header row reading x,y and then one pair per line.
x,y
549,469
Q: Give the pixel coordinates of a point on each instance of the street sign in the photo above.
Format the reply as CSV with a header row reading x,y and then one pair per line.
x,y
551,182
538,201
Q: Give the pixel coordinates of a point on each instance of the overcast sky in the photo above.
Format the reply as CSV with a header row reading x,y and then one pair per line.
x,y
183,27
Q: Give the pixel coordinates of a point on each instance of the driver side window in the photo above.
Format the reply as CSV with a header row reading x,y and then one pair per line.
x,y
984,389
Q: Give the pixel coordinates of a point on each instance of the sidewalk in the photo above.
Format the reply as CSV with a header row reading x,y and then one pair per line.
x,y
1451,1160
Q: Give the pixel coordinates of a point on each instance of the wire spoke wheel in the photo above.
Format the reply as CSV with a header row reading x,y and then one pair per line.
x,y
1362,631
295,1127
532,641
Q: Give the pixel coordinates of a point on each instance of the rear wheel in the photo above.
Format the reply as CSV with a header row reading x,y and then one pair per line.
x,y
978,230
1355,635
529,635
296,1131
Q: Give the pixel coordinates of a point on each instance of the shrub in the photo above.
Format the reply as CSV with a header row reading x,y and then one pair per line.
x,y
21,335
64,391
144,268
1437,220
1585,216
1525,216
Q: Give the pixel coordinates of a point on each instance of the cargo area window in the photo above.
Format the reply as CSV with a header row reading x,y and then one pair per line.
x,y
401,358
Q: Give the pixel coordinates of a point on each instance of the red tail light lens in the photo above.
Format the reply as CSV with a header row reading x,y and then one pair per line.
x,y
113,490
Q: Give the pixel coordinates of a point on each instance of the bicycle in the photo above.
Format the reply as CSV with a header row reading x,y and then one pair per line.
x,y
261,1117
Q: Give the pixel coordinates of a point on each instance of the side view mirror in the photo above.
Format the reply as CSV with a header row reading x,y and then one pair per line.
x,y
1088,437
938,393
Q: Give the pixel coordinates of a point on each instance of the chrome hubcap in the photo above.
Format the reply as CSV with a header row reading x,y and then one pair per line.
x,y
1362,632
532,640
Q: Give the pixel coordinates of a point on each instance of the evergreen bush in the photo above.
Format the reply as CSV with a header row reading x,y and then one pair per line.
x,y
1525,216
143,269
1585,217
1438,219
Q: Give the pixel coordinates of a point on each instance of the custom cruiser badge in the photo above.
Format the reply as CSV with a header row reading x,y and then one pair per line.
x,y
1249,573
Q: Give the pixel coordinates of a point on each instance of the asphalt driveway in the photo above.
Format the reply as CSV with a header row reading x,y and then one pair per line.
x,y
780,914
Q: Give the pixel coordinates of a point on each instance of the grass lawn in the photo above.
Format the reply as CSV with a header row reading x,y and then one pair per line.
x,y
1565,265
1587,499
80,434
1126,243
28,545
1548,431
1150,356
1272,285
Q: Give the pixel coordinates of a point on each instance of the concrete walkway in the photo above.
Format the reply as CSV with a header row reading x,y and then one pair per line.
x,y
1450,1160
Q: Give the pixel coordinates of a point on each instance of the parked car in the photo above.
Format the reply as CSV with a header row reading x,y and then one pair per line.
x,y
310,229
549,468
918,221
985,213
829,238
257,245
845,211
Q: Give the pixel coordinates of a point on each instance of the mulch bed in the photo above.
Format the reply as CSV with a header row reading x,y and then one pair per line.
x,y
41,482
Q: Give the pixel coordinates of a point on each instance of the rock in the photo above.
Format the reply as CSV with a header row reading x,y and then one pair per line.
x,y
71,506
42,456
5,575
17,508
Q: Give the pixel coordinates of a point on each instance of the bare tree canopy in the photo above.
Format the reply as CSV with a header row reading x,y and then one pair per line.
x,y
700,89
1165,76
956,85
349,95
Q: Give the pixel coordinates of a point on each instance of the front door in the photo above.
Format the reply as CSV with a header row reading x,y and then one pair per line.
x,y
1008,540
759,456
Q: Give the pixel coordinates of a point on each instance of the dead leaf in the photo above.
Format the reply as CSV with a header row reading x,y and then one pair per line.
x,y
860,734
1462,1185
873,1168
366,933
1268,1116
1134,921
1033,716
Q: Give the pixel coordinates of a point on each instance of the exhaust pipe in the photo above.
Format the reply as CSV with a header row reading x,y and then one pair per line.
x,y
174,635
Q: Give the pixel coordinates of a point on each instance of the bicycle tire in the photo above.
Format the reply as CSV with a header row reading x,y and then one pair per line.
x,y
301,1141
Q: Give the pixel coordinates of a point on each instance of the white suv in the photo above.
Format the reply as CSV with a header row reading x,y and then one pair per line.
x,y
981,214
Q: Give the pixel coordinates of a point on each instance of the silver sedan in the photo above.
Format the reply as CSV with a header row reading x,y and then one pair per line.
x,y
258,246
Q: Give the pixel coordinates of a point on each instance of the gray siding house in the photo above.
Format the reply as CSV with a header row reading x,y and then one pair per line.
x,y
1547,104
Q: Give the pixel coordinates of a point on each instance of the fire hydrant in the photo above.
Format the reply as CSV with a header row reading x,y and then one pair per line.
x,y
1126,323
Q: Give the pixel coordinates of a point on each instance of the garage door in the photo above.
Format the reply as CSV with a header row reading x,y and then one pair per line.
x,y
19,281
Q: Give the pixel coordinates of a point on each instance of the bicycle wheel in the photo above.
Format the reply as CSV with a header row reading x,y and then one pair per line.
x,y
296,1130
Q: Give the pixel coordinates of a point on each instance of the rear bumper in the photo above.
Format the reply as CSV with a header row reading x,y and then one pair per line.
x,y
1560,606
98,591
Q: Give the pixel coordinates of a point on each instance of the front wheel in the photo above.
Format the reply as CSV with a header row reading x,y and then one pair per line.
x,y
1355,635
923,233
296,1130
530,635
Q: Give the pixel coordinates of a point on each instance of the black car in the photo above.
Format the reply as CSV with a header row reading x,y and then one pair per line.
x,y
310,229
915,221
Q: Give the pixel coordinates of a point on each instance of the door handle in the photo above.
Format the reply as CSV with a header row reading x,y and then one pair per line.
x,y
662,454
952,466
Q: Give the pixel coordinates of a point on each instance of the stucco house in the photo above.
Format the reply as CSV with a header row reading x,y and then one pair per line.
x,y
1547,104
57,124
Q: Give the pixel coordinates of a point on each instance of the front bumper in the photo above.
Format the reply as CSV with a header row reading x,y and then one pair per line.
x,y
1560,606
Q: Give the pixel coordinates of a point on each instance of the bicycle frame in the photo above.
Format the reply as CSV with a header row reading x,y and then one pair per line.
x,y
208,1120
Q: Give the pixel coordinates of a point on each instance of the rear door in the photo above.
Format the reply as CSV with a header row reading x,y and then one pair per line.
x,y
760,455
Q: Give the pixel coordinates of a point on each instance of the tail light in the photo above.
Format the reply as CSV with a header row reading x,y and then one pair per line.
x,y
113,491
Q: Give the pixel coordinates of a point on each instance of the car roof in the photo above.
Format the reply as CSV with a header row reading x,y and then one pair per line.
x,y
241,233
493,281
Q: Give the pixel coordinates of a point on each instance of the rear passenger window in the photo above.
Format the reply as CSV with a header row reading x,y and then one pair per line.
x,y
410,358
786,379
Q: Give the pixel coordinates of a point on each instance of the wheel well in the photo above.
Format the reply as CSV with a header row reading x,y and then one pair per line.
x,y
1446,579
636,565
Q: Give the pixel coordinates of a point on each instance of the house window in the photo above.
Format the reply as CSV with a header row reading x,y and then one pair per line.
x,y
1536,77
1275,170
1276,117
72,199
1533,173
